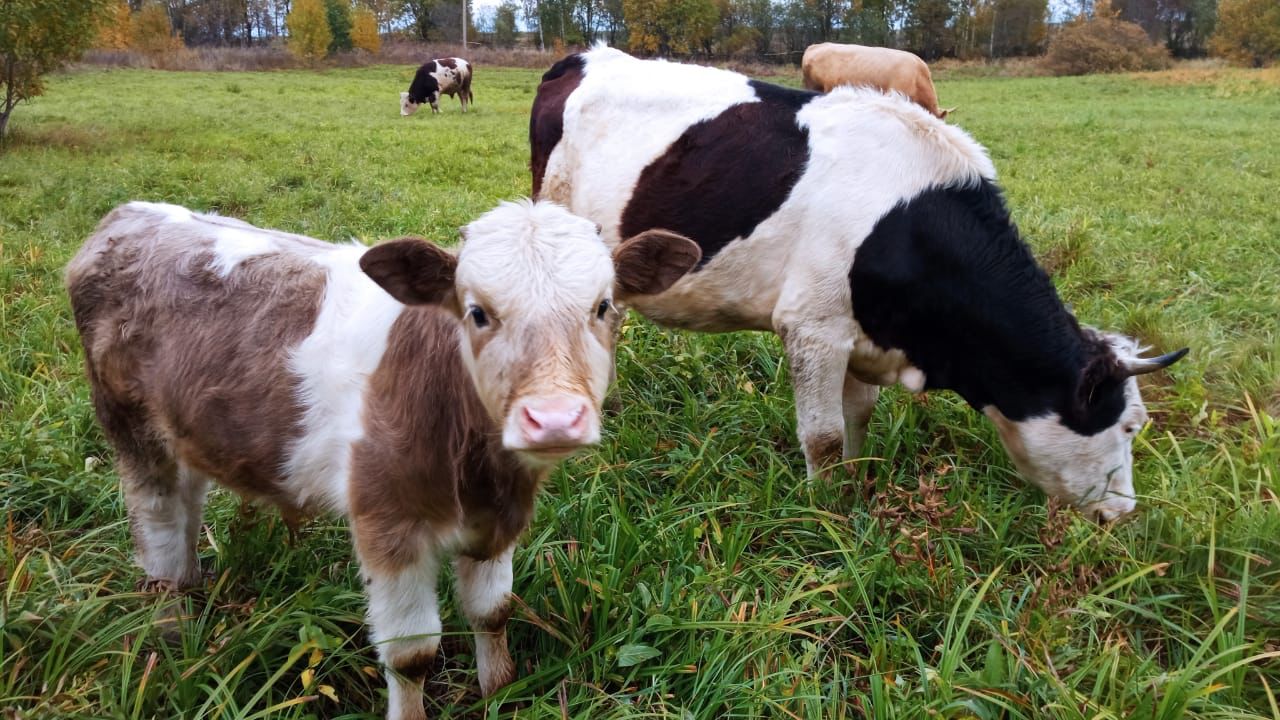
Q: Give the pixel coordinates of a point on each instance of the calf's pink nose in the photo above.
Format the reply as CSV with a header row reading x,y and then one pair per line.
x,y
554,421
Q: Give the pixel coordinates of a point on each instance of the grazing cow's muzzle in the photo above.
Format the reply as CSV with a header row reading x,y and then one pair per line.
x,y
551,427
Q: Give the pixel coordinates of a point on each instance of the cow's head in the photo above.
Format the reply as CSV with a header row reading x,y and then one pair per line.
x,y
1083,452
537,294
407,105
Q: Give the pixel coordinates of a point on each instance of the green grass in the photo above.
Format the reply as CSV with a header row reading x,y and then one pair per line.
x,y
686,569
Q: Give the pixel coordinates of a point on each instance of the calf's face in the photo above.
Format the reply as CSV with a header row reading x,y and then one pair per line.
x,y
537,294
1084,455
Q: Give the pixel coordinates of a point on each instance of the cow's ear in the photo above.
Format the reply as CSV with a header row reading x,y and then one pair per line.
x,y
653,261
412,270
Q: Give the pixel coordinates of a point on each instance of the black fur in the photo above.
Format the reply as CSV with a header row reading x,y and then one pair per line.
x,y
945,278
424,85
546,119
726,175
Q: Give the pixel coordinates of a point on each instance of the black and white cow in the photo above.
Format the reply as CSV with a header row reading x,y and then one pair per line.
x,y
868,234
442,76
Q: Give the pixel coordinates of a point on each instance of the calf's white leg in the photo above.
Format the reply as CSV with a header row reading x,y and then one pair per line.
x,y
404,623
165,507
818,364
859,402
484,590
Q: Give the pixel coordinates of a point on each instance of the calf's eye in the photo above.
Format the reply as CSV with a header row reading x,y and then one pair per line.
x,y
604,308
478,316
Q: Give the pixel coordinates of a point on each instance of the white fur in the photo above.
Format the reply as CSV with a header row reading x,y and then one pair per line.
x,y
169,525
333,365
512,255
404,619
791,274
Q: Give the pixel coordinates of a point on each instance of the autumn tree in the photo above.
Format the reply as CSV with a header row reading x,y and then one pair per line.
x,y
116,29
364,30
665,27
37,37
309,34
152,31
1248,32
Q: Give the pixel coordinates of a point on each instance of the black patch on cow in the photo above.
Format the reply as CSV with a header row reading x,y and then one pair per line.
x,y
726,175
945,278
546,120
448,62
424,84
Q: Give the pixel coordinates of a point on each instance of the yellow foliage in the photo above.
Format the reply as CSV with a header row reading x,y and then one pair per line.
x,y
309,33
364,30
116,30
152,31
1248,32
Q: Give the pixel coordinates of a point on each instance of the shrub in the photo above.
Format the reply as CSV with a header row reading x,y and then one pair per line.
x,y
1102,45
153,33
309,34
1248,32
364,30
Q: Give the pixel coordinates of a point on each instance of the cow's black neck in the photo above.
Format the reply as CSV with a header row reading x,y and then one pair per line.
x,y
945,278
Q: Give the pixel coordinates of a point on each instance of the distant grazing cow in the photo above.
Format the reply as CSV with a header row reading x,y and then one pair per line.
x,y
864,231
443,76
423,395
828,65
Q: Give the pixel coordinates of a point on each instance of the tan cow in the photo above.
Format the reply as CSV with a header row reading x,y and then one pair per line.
x,y
423,395
827,65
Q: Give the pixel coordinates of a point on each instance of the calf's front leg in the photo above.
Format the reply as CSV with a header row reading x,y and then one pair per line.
x,y
484,590
404,612
818,362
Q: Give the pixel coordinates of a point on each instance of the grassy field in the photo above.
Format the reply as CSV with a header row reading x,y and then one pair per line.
x,y
686,569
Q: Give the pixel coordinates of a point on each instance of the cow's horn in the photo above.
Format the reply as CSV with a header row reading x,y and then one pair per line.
x,y
1142,366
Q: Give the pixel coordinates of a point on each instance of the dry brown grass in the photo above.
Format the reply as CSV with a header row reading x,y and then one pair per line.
x,y
395,51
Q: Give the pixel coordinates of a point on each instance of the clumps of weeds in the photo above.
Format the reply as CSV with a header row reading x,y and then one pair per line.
x,y
915,519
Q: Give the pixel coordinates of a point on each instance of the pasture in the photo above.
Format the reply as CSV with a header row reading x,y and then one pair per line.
x,y
686,568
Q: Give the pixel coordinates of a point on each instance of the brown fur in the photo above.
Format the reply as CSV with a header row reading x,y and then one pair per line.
x,y
431,457
828,65
169,345
653,261
546,119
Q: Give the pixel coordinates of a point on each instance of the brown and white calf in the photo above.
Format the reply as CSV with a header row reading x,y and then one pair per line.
x,y
443,76
826,66
867,233
423,395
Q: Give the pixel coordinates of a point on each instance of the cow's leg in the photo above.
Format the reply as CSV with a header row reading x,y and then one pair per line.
x,y
400,569
435,108
818,361
859,403
165,504
484,590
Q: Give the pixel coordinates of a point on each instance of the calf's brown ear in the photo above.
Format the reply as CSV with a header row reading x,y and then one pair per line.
x,y
411,270
653,261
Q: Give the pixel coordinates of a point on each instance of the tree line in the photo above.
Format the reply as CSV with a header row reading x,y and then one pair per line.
x,y
764,29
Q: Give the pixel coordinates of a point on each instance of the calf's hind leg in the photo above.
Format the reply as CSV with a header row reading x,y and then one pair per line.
x,y
165,503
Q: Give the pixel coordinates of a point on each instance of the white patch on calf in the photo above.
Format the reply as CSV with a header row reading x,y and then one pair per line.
x,y
333,365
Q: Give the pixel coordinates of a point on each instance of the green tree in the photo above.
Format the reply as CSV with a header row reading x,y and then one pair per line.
x,y
1248,32
309,34
364,30
39,36
504,24
338,13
